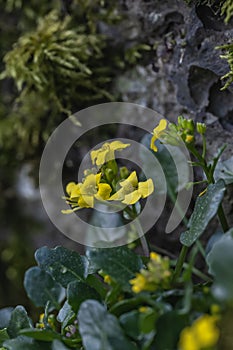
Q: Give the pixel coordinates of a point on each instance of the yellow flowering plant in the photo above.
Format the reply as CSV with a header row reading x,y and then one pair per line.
x,y
147,299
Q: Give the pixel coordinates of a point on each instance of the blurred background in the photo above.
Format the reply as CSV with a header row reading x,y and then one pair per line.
x,y
58,57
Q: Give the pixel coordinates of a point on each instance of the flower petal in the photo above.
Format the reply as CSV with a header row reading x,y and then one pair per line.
x,y
69,187
145,188
118,196
118,145
152,143
103,191
86,201
132,198
161,127
132,180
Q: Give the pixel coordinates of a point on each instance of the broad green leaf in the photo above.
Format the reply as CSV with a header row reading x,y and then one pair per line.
x,y
205,209
40,334
25,343
19,320
41,288
173,322
64,265
78,292
101,330
120,263
130,323
220,261
147,320
5,316
224,171
3,335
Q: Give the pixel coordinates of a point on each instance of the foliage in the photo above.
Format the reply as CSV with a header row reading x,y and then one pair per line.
x,y
228,55
113,297
63,65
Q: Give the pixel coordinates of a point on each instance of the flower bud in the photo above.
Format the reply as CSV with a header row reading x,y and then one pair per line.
x,y
201,128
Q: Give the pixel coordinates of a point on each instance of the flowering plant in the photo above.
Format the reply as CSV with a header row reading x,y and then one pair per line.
x,y
113,298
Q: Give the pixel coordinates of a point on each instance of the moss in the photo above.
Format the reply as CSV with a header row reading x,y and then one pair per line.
x,y
228,55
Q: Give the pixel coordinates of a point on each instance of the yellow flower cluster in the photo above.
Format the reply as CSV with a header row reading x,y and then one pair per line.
x,y
105,184
174,134
202,335
82,195
157,275
107,152
131,190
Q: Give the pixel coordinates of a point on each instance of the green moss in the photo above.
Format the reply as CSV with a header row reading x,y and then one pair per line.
x,y
56,60
229,57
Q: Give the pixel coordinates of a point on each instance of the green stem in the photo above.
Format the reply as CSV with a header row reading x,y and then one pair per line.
x,y
144,244
180,263
204,146
210,178
223,219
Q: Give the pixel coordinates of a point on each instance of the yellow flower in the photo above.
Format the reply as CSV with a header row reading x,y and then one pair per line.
x,y
132,190
157,275
189,138
138,283
206,331
107,279
41,324
143,309
83,195
201,335
154,256
157,132
107,152
188,340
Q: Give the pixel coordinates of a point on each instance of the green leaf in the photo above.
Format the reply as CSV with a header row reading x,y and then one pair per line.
x,y
19,320
205,209
64,265
130,323
220,261
101,330
97,284
78,292
224,171
173,322
120,263
3,335
40,334
24,343
5,316
147,320
66,315
41,288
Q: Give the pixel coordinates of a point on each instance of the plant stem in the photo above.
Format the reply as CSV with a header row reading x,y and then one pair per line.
x,y
143,239
180,263
210,178
222,218
133,215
